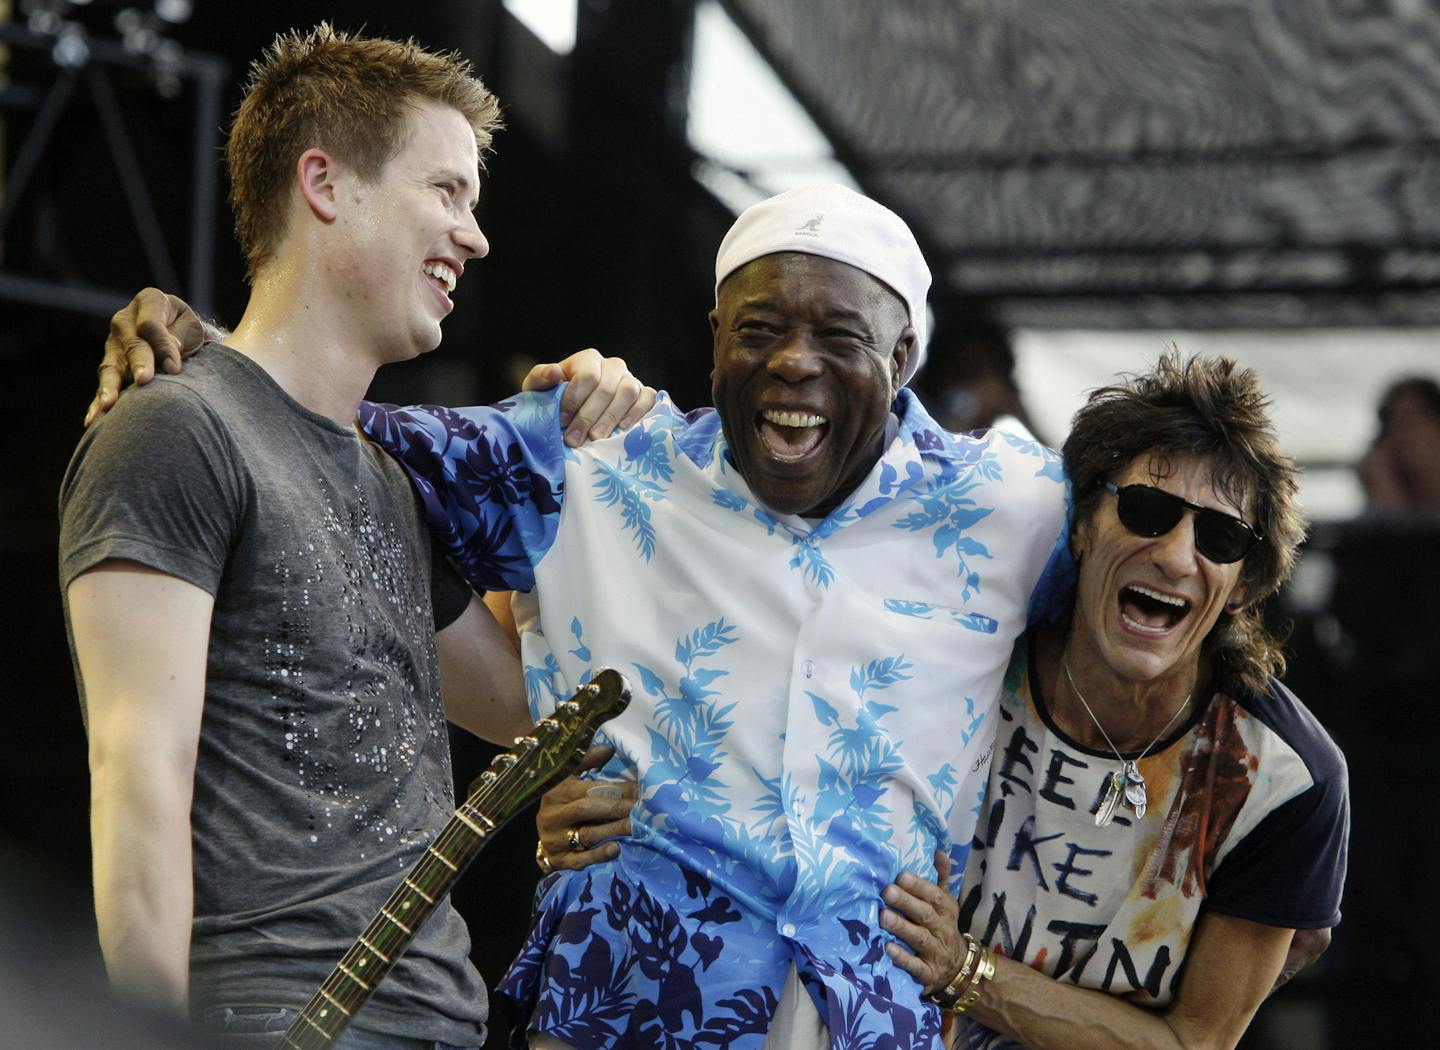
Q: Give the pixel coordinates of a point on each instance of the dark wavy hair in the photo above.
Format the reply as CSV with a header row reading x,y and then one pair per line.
x,y
1205,407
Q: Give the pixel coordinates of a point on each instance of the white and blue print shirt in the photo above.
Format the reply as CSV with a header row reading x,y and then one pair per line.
x,y
814,700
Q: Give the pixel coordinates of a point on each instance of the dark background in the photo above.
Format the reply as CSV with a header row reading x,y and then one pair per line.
x,y
601,236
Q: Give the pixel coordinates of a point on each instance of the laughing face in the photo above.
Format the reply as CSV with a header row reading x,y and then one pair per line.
x,y
808,358
1146,604
410,231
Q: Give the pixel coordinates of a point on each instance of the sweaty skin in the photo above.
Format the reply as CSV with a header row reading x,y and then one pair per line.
x,y
808,358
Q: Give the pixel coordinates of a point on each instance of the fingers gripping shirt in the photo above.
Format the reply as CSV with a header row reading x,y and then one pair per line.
x,y
814,700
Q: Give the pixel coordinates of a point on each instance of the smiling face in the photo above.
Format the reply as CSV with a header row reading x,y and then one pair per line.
x,y
408,233
1145,605
808,358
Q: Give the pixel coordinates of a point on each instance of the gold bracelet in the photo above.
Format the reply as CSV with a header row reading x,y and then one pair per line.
x,y
984,971
946,997
542,860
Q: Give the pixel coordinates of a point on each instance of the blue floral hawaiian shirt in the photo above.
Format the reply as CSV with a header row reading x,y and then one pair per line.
x,y
814,700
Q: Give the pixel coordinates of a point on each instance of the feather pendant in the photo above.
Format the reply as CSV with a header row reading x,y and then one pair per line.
x,y
1113,793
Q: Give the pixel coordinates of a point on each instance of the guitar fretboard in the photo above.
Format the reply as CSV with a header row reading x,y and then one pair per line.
x,y
511,782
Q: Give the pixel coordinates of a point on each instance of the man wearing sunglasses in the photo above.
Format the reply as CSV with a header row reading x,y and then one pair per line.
x,y
1164,820
1149,511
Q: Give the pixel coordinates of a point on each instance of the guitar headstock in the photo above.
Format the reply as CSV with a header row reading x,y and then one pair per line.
x,y
557,743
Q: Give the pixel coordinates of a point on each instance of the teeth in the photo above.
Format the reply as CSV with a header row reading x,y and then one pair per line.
x,y
1168,599
792,419
1143,628
441,272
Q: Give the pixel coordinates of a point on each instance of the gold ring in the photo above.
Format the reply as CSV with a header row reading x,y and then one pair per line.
x,y
573,837
542,861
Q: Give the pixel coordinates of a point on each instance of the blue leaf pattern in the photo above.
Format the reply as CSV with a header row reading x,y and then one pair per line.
x,y
631,493
753,849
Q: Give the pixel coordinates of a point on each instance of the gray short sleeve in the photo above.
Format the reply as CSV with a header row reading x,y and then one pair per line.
x,y
155,482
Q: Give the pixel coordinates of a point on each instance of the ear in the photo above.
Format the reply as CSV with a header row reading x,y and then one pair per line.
x,y
714,322
900,356
1080,537
315,174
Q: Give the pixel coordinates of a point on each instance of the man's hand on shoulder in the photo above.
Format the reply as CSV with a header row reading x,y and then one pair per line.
x,y
153,330
602,396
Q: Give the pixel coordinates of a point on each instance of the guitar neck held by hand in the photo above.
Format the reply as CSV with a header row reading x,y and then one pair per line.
x,y
556,745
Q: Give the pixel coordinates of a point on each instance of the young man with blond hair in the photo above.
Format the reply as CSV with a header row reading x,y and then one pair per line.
x,y
254,623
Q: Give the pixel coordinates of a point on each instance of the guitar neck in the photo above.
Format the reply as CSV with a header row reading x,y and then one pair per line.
x,y
373,954
502,791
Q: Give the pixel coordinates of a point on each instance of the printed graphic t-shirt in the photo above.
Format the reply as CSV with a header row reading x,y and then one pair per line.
x,y
1248,816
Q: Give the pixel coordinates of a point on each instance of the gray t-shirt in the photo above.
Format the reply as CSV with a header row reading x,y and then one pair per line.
x,y
323,767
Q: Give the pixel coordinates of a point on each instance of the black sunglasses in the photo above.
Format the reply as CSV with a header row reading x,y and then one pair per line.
x,y
1148,511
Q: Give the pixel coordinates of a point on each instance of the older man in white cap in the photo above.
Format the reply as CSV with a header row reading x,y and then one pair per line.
x,y
815,589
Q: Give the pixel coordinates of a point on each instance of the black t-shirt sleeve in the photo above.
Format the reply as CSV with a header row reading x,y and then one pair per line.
x,y
156,482
449,593
1290,870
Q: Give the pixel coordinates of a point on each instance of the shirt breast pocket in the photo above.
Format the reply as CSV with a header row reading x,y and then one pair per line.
x,y
968,619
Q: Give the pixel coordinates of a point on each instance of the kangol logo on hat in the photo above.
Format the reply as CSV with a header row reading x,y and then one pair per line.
x,y
810,228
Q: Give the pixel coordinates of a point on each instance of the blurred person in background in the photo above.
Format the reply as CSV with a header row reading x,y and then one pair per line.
x,y
969,377
1401,471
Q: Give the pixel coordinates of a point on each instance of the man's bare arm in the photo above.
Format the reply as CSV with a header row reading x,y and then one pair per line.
x,y
481,678
144,691
1231,966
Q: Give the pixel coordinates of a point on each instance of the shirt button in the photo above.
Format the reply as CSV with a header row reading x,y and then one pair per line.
x,y
800,810
809,668
788,929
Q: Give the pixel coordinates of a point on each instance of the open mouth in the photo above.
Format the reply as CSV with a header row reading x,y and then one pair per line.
x,y
1149,611
790,436
440,276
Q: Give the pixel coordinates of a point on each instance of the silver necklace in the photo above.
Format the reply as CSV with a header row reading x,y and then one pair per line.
x,y
1127,784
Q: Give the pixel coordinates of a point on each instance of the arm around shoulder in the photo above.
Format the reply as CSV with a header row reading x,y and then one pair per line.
x,y
490,479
